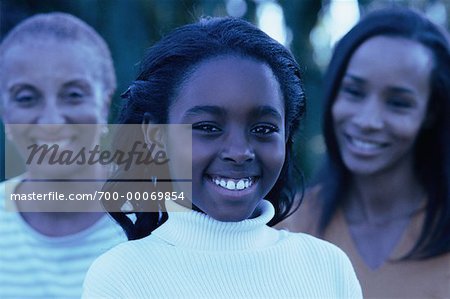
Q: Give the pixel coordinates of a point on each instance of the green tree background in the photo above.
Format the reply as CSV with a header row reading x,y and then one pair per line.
x,y
131,26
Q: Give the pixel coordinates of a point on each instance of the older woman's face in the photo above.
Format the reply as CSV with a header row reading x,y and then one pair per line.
x,y
382,104
48,83
52,82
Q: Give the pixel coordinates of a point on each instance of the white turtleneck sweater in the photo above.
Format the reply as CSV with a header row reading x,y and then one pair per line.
x,y
195,256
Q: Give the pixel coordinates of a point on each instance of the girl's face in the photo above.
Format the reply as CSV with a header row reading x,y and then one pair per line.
x,y
237,114
47,83
382,104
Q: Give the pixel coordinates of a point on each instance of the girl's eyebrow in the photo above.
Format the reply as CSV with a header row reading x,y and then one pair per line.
x,y
215,110
268,110
196,110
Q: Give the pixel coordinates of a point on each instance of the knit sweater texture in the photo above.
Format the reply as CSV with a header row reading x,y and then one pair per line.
x,y
195,256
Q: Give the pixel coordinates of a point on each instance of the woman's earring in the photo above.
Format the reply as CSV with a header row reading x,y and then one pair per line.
x,y
104,130
154,180
8,132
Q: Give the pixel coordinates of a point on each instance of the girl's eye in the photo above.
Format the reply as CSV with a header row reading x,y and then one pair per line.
x,y
206,128
265,129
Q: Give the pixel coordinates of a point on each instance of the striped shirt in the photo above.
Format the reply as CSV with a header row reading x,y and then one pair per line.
x,y
33,265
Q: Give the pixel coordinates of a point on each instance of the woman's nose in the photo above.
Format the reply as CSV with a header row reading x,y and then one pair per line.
x,y
51,114
369,116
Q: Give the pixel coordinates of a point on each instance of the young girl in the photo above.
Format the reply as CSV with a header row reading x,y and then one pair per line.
x,y
240,90
56,72
384,195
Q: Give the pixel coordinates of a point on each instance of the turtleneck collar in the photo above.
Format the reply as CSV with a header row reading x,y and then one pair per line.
x,y
195,230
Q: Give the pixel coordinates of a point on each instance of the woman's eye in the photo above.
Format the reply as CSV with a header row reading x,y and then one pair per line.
x,y
264,129
399,103
206,128
352,92
74,96
25,100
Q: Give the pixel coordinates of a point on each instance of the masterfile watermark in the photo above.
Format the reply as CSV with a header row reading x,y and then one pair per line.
x,y
115,165
140,153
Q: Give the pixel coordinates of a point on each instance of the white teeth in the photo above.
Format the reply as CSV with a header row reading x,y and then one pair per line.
x,y
60,142
233,184
240,185
365,145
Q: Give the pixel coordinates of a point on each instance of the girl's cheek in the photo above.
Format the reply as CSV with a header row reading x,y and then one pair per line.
x,y
273,156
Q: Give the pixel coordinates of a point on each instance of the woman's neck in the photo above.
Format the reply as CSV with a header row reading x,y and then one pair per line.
x,y
60,224
83,179
384,196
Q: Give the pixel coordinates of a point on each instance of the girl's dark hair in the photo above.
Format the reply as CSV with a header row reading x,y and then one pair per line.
x,y
432,149
169,63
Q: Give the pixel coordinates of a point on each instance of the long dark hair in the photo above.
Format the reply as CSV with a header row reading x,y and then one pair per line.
x,y
170,61
432,149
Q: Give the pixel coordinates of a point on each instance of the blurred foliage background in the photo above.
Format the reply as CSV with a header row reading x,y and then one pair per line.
x,y
308,27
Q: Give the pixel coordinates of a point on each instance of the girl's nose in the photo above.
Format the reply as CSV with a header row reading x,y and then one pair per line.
x,y
237,149
370,115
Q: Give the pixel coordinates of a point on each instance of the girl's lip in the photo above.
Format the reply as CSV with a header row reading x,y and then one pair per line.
x,y
229,177
232,174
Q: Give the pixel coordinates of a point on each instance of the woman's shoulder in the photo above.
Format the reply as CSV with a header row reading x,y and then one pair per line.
x,y
305,218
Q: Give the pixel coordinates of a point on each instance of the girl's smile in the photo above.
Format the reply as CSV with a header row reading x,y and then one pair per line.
x,y
238,134
233,183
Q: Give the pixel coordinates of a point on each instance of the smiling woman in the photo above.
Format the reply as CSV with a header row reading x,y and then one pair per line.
x,y
240,92
383,196
378,114
57,75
